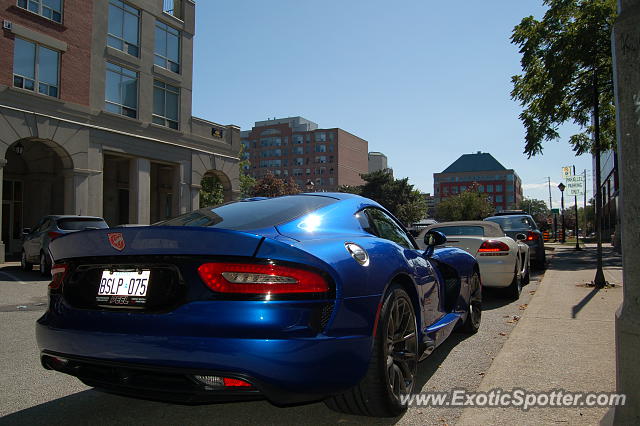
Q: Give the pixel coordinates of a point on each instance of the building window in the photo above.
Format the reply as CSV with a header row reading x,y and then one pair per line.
x,y
173,8
498,188
297,139
321,148
167,47
489,188
321,137
298,150
123,27
121,95
166,99
498,198
35,67
50,9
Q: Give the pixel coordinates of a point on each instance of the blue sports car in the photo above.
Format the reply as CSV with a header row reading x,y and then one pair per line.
x,y
300,298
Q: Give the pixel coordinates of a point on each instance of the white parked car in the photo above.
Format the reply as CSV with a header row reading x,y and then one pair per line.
x,y
503,261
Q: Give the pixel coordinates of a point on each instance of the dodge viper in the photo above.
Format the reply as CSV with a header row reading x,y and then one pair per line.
x,y
299,298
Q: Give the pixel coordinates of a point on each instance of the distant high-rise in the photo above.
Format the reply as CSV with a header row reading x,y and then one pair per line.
x,y
378,161
502,186
296,147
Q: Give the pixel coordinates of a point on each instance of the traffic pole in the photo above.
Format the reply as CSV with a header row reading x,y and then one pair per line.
x,y
575,198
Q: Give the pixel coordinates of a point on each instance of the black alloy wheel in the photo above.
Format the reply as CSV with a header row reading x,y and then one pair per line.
x,y
474,315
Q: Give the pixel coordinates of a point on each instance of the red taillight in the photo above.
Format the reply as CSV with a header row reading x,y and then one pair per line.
x,y
532,236
58,272
494,246
53,235
235,382
260,279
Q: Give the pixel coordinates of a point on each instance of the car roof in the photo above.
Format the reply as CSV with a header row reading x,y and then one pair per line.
x,y
491,229
509,215
71,216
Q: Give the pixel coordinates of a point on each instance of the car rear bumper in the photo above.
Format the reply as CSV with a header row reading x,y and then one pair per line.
x,y
286,367
496,271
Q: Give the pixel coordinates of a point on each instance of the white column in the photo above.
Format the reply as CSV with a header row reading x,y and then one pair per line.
x,y
195,197
140,191
76,192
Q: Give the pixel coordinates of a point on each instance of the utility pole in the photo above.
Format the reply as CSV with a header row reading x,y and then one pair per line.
x,y
551,208
575,200
584,205
599,281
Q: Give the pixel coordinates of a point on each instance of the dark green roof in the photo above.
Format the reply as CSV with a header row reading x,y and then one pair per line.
x,y
479,162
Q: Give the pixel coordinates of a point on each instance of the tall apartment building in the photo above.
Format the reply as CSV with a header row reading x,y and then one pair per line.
x,y
95,106
502,186
296,147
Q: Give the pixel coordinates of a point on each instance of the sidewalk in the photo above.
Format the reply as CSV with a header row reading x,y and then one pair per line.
x,y
565,340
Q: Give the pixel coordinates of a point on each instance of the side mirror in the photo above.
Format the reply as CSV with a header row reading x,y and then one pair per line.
x,y
434,238
521,237
26,231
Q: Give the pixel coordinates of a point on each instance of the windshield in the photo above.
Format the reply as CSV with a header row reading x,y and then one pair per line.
x,y
509,223
251,214
78,224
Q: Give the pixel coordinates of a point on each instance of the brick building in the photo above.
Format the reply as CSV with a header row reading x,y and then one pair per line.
x,y
296,147
95,106
502,186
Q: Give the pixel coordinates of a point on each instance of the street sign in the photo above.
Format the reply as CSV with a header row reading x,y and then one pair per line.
x,y
575,185
567,171
555,211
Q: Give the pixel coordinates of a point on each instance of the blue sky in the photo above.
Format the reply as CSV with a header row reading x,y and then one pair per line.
x,y
421,81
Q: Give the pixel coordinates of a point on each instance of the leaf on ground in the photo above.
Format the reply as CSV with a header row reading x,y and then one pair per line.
x,y
523,307
532,292
502,334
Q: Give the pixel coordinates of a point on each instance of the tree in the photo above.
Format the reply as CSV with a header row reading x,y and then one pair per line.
x,y
396,195
271,186
538,210
211,191
246,182
468,205
563,56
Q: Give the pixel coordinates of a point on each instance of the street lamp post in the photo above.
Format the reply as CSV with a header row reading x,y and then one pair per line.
x,y
561,188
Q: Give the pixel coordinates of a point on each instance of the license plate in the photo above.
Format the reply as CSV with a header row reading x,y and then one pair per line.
x,y
123,287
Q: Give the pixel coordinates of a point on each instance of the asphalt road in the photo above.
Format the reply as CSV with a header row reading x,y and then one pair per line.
x,y
31,395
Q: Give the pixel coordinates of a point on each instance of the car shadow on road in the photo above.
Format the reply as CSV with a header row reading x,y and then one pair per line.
x,y
92,407
14,273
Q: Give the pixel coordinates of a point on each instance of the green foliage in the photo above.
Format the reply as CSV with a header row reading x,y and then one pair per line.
x,y
396,195
271,186
246,182
538,210
211,192
560,54
468,205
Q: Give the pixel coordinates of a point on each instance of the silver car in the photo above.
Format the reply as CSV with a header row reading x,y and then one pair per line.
x,y
35,241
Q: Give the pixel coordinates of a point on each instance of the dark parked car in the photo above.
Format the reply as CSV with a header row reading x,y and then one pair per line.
x,y
35,241
516,223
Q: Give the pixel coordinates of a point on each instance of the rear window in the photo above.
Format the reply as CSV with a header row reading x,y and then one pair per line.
x,y
252,214
509,223
461,230
78,224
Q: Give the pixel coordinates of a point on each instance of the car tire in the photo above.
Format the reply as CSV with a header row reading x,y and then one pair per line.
x,y
24,263
45,268
515,288
395,342
474,316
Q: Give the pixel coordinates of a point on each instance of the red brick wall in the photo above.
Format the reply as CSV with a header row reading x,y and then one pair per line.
x,y
75,63
353,158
